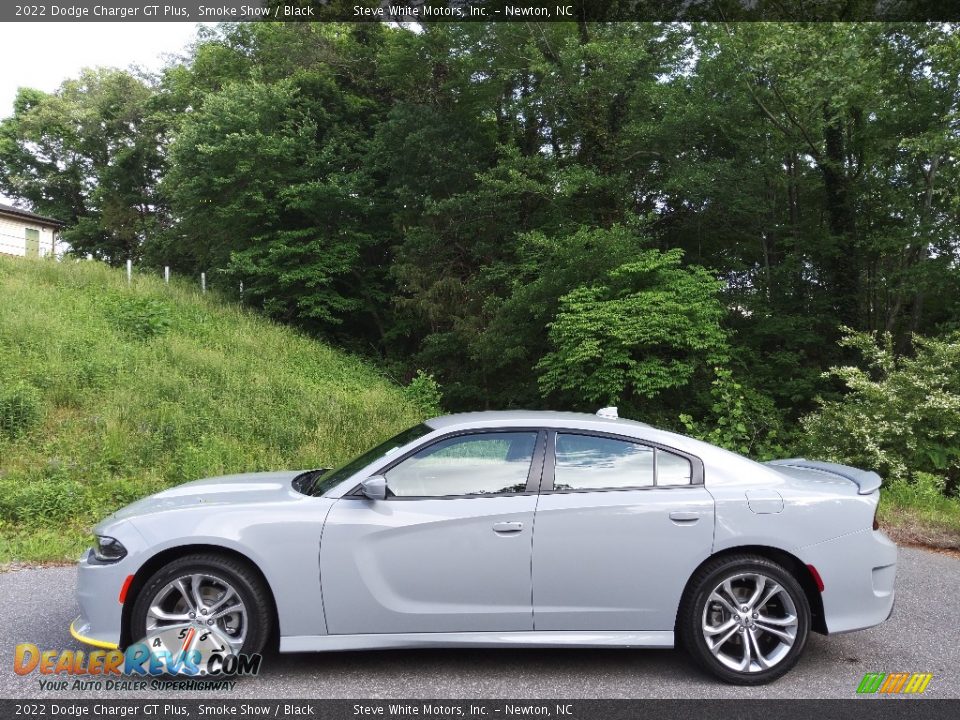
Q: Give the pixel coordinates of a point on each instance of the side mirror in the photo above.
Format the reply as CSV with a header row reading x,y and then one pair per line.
x,y
375,487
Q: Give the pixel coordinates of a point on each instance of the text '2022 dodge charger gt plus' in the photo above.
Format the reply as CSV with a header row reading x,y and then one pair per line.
x,y
513,528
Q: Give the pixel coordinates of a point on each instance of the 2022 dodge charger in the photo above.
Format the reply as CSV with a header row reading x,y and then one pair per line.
x,y
507,529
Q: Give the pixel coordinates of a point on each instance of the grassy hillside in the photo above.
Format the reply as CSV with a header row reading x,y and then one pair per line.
x,y
110,392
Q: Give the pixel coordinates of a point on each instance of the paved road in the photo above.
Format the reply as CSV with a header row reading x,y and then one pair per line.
x,y
922,635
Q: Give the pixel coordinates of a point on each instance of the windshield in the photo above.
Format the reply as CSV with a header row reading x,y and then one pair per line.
x,y
338,475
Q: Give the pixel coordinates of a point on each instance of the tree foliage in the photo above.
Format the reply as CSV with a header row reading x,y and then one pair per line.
x,y
557,214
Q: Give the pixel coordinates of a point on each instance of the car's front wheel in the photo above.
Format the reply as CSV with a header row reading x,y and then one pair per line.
x,y
205,591
745,619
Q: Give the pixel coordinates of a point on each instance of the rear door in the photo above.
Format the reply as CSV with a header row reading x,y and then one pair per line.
x,y
448,550
620,527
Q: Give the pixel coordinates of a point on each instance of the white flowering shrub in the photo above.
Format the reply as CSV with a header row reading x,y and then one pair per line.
x,y
901,416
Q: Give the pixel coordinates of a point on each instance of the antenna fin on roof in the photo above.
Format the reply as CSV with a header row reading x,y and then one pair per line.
x,y
608,412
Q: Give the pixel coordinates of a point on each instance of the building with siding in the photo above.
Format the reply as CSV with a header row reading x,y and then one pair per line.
x,y
27,234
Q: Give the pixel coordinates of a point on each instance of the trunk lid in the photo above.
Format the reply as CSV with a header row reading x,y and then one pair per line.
x,y
866,481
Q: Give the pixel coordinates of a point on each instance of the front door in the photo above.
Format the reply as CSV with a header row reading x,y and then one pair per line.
x,y
33,242
447,551
621,526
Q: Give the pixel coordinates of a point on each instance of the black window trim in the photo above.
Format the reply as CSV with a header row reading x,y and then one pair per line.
x,y
549,468
534,473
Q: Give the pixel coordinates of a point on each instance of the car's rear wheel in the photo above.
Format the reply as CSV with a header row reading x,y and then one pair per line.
x,y
204,591
745,619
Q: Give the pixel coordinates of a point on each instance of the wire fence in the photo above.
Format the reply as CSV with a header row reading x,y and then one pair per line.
x,y
129,267
167,275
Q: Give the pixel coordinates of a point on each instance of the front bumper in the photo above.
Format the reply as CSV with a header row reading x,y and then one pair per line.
x,y
99,587
80,630
859,573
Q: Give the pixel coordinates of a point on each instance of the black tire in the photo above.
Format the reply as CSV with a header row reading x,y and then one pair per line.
x,y
240,575
693,605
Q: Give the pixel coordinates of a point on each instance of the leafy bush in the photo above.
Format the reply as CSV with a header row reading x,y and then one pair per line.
x,y
741,419
424,393
140,317
901,415
21,408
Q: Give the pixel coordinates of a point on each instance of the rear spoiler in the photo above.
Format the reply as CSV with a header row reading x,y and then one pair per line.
x,y
866,480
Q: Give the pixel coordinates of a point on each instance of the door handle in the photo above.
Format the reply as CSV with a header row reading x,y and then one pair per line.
x,y
507,527
684,517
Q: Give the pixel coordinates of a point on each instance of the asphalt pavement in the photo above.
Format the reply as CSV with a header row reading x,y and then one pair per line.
x,y
922,636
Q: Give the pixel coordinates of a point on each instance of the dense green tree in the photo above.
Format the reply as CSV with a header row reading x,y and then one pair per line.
x,y
89,154
267,182
807,163
570,109
649,327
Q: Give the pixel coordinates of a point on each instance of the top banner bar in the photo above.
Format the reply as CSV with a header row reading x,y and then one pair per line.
x,y
428,11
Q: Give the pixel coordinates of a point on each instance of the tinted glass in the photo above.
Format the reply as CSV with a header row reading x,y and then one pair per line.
x,y
584,462
477,464
338,475
672,469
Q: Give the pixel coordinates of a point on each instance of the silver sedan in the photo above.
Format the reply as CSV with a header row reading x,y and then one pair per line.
x,y
506,529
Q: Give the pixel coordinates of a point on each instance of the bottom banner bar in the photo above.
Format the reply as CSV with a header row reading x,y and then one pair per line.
x,y
866,708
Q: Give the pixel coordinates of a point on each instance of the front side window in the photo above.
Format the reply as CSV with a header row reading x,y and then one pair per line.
x,y
324,482
475,464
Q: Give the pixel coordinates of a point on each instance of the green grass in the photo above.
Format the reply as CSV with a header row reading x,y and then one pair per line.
x,y
919,513
110,392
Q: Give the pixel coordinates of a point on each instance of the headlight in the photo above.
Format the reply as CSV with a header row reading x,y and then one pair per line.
x,y
108,549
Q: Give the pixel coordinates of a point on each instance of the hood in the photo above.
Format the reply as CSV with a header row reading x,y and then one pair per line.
x,y
244,489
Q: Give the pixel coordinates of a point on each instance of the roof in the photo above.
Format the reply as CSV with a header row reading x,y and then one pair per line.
x,y
27,215
532,417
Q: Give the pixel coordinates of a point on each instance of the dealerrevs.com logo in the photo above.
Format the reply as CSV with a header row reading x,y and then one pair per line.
x,y
894,683
197,659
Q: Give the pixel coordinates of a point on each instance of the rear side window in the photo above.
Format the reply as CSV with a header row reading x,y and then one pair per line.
x,y
672,469
586,462
589,462
476,464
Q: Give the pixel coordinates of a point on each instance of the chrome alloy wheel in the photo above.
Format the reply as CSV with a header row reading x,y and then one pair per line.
x,y
199,601
749,622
